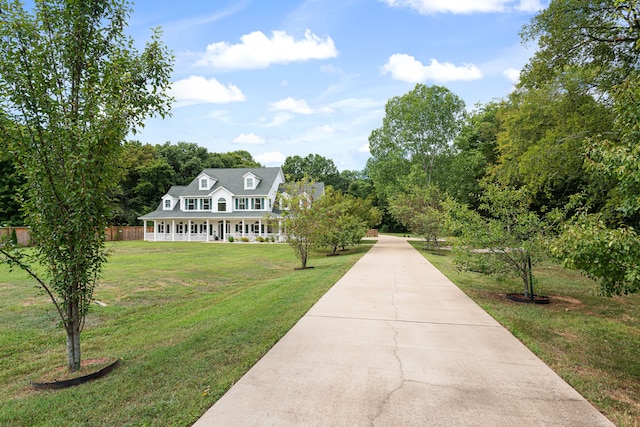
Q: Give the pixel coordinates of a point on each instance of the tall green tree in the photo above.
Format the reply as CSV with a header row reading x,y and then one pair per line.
x,y
417,130
314,167
72,86
11,183
232,159
145,179
475,152
597,38
600,42
545,132
187,159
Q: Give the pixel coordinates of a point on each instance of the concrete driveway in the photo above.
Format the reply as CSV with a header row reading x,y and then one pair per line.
x,y
395,343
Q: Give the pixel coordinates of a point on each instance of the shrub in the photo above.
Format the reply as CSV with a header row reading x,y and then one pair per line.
x,y
260,239
244,239
230,239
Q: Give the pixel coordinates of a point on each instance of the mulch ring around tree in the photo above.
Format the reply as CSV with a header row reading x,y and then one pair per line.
x,y
537,299
60,377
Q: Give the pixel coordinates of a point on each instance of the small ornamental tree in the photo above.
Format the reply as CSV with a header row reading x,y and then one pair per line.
x,y
302,221
347,219
420,210
72,87
507,239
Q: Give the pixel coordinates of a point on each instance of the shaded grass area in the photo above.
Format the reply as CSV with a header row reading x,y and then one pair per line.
x,y
186,319
592,342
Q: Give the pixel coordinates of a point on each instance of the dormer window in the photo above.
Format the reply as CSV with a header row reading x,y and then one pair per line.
x,y
167,204
204,183
251,181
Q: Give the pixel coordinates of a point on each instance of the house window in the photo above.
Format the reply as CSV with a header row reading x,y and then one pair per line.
x,y
205,204
242,204
204,183
190,204
161,227
258,204
167,204
249,183
194,228
180,228
222,205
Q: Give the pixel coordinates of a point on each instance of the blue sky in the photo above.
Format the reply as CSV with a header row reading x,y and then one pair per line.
x,y
283,78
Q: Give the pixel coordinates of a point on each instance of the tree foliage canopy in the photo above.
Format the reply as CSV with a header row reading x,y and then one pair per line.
x,y
417,130
72,86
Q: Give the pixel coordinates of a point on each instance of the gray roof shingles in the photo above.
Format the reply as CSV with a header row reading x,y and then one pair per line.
x,y
232,180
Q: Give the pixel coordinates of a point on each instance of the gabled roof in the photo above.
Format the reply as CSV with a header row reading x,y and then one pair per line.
x,y
233,181
176,190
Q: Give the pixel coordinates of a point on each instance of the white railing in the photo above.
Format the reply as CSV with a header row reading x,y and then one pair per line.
x,y
203,237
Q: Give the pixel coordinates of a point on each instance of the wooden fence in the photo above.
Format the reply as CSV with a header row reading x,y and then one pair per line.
x,y
112,233
22,234
125,232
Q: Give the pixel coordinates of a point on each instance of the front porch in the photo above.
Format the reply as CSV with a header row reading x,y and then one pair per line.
x,y
175,230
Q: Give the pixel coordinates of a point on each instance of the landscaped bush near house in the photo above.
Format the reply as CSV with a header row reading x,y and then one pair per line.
x,y
244,239
230,239
260,239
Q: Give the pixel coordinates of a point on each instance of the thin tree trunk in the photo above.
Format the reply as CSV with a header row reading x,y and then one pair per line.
x,y
73,338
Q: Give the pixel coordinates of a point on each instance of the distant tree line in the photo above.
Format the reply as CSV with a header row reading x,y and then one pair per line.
x,y
148,171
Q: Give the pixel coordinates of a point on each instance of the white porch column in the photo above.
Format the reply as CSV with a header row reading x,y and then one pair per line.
x,y
144,229
155,230
224,229
173,230
189,231
207,231
279,229
260,227
243,228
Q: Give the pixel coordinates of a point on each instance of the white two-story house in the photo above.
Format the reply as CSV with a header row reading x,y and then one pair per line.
x,y
216,205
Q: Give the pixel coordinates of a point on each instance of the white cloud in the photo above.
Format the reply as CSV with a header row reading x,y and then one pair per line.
x,y
256,50
328,129
358,104
407,68
512,74
279,119
429,7
530,6
298,106
220,115
199,90
275,158
249,138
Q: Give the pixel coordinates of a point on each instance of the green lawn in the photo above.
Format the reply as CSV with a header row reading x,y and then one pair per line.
x,y
592,342
186,319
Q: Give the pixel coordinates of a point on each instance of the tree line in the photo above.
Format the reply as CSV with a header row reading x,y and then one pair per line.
x,y
146,172
553,169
